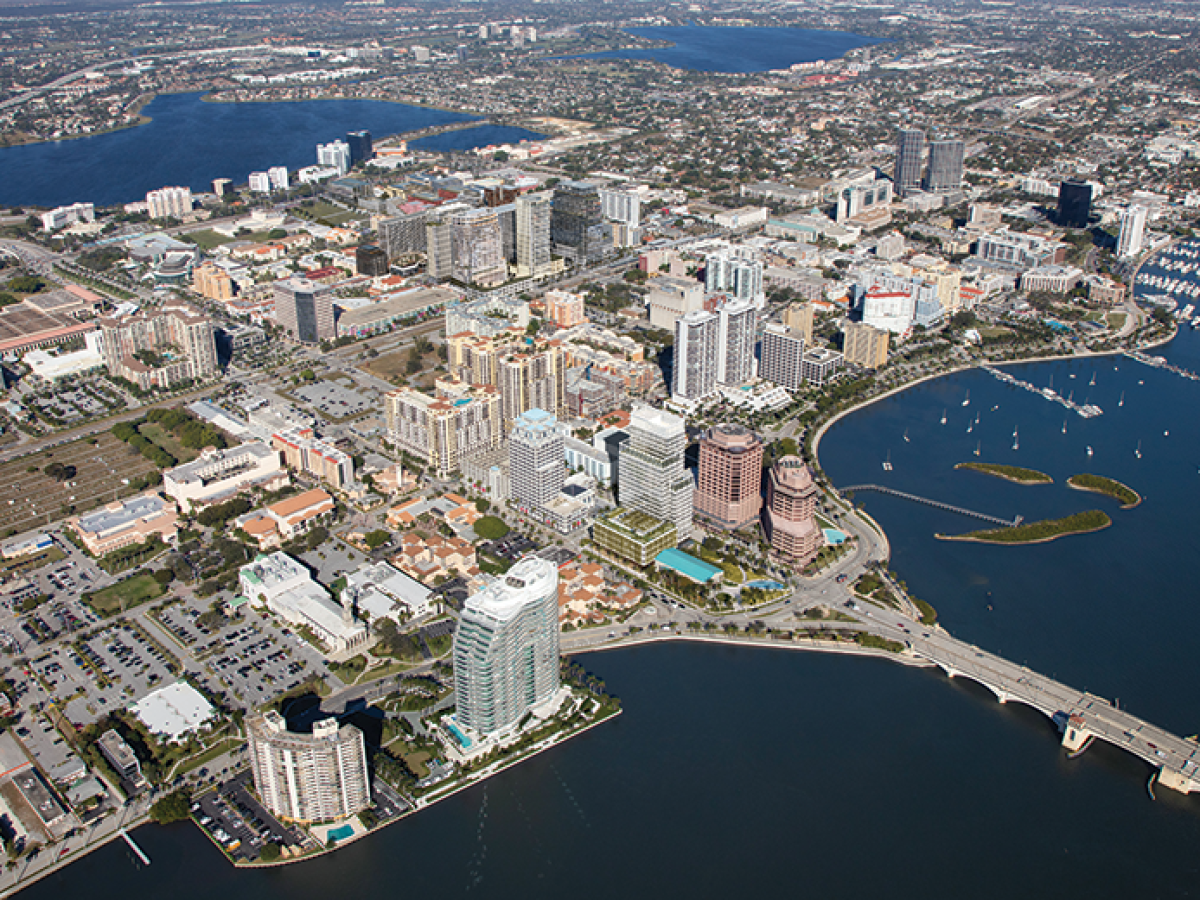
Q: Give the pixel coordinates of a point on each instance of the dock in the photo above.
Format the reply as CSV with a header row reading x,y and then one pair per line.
x,y
1087,410
134,847
937,504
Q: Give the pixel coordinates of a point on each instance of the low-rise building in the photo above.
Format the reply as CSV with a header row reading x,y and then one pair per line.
x,y
220,474
435,556
380,591
124,523
303,451
634,536
174,711
280,522
286,588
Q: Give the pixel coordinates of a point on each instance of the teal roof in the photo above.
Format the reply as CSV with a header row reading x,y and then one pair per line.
x,y
686,565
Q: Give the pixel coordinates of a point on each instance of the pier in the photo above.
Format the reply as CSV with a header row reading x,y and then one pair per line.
x,y
1157,362
937,504
1087,410
134,847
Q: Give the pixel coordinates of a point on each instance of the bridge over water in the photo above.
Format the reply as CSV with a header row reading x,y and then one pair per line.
x,y
1082,716
962,511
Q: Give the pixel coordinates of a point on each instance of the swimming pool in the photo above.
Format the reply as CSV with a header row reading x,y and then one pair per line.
x,y
340,833
833,536
765,585
458,735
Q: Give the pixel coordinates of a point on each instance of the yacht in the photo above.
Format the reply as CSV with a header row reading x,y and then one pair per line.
x,y
943,417
887,463
967,401
1016,441
906,440
1121,402
978,446
1089,451
1138,452
1064,426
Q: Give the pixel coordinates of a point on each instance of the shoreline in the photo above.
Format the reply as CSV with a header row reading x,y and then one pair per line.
x,y
1104,493
1046,540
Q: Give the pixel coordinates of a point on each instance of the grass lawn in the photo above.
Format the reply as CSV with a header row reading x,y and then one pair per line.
x,y
29,563
166,440
1116,320
222,746
388,365
206,239
733,574
125,594
417,762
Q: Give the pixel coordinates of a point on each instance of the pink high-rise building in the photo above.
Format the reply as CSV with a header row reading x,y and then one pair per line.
x,y
790,517
728,493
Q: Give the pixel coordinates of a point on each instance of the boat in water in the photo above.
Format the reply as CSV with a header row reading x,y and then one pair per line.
x,y
967,401
1016,441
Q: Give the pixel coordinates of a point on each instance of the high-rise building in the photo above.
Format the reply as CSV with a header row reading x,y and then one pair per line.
x,y
782,359
730,476
278,176
945,172
671,298
441,430
362,149
533,234
910,153
212,282
697,342
653,477
536,460
1133,231
531,377
477,255
335,155
222,187
622,206
506,658
576,221
866,345
861,198
304,309
259,182
169,203
565,309
789,518
439,248
737,335
737,276
403,235
1074,203
304,777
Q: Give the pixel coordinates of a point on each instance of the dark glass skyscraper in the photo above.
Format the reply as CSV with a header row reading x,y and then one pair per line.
x,y
361,147
1074,203
574,213
910,150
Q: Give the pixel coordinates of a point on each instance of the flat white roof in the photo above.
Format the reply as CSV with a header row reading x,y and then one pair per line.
x,y
173,711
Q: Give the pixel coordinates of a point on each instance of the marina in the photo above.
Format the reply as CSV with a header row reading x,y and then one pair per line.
x,y
1087,410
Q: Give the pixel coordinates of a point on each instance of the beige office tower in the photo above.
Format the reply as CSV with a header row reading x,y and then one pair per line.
x,y
799,318
866,345
305,777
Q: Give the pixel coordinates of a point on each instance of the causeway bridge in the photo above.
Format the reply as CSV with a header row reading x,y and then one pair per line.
x,y
996,520
1082,716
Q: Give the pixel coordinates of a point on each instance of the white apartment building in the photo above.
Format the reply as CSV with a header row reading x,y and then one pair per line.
x,y
782,361
697,355
621,205
220,474
62,216
334,155
1133,231
536,460
169,203
737,335
306,777
278,176
260,182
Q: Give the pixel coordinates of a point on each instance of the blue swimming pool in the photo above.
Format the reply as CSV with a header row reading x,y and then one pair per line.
x,y
340,833
833,536
458,735
765,585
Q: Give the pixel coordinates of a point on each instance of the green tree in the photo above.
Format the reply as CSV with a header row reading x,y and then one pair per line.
x,y
270,852
491,528
377,538
175,807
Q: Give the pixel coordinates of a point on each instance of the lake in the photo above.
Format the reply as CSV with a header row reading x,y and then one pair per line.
x,y
190,142
723,49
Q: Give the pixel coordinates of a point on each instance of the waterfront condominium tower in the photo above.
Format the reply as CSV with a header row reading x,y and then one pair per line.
x,y
537,466
910,151
697,337
730,477
653,478
308,777
506,647
789,519
945,172
1133,231
304,309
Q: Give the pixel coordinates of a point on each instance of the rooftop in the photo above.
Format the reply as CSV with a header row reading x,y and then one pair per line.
x,y
173,711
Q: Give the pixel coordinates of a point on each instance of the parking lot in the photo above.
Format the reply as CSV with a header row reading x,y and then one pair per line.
x,y
335,401
239,823
252,657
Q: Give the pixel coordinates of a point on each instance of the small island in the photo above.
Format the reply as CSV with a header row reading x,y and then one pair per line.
x,y
1036,532
1098,484
1008,473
